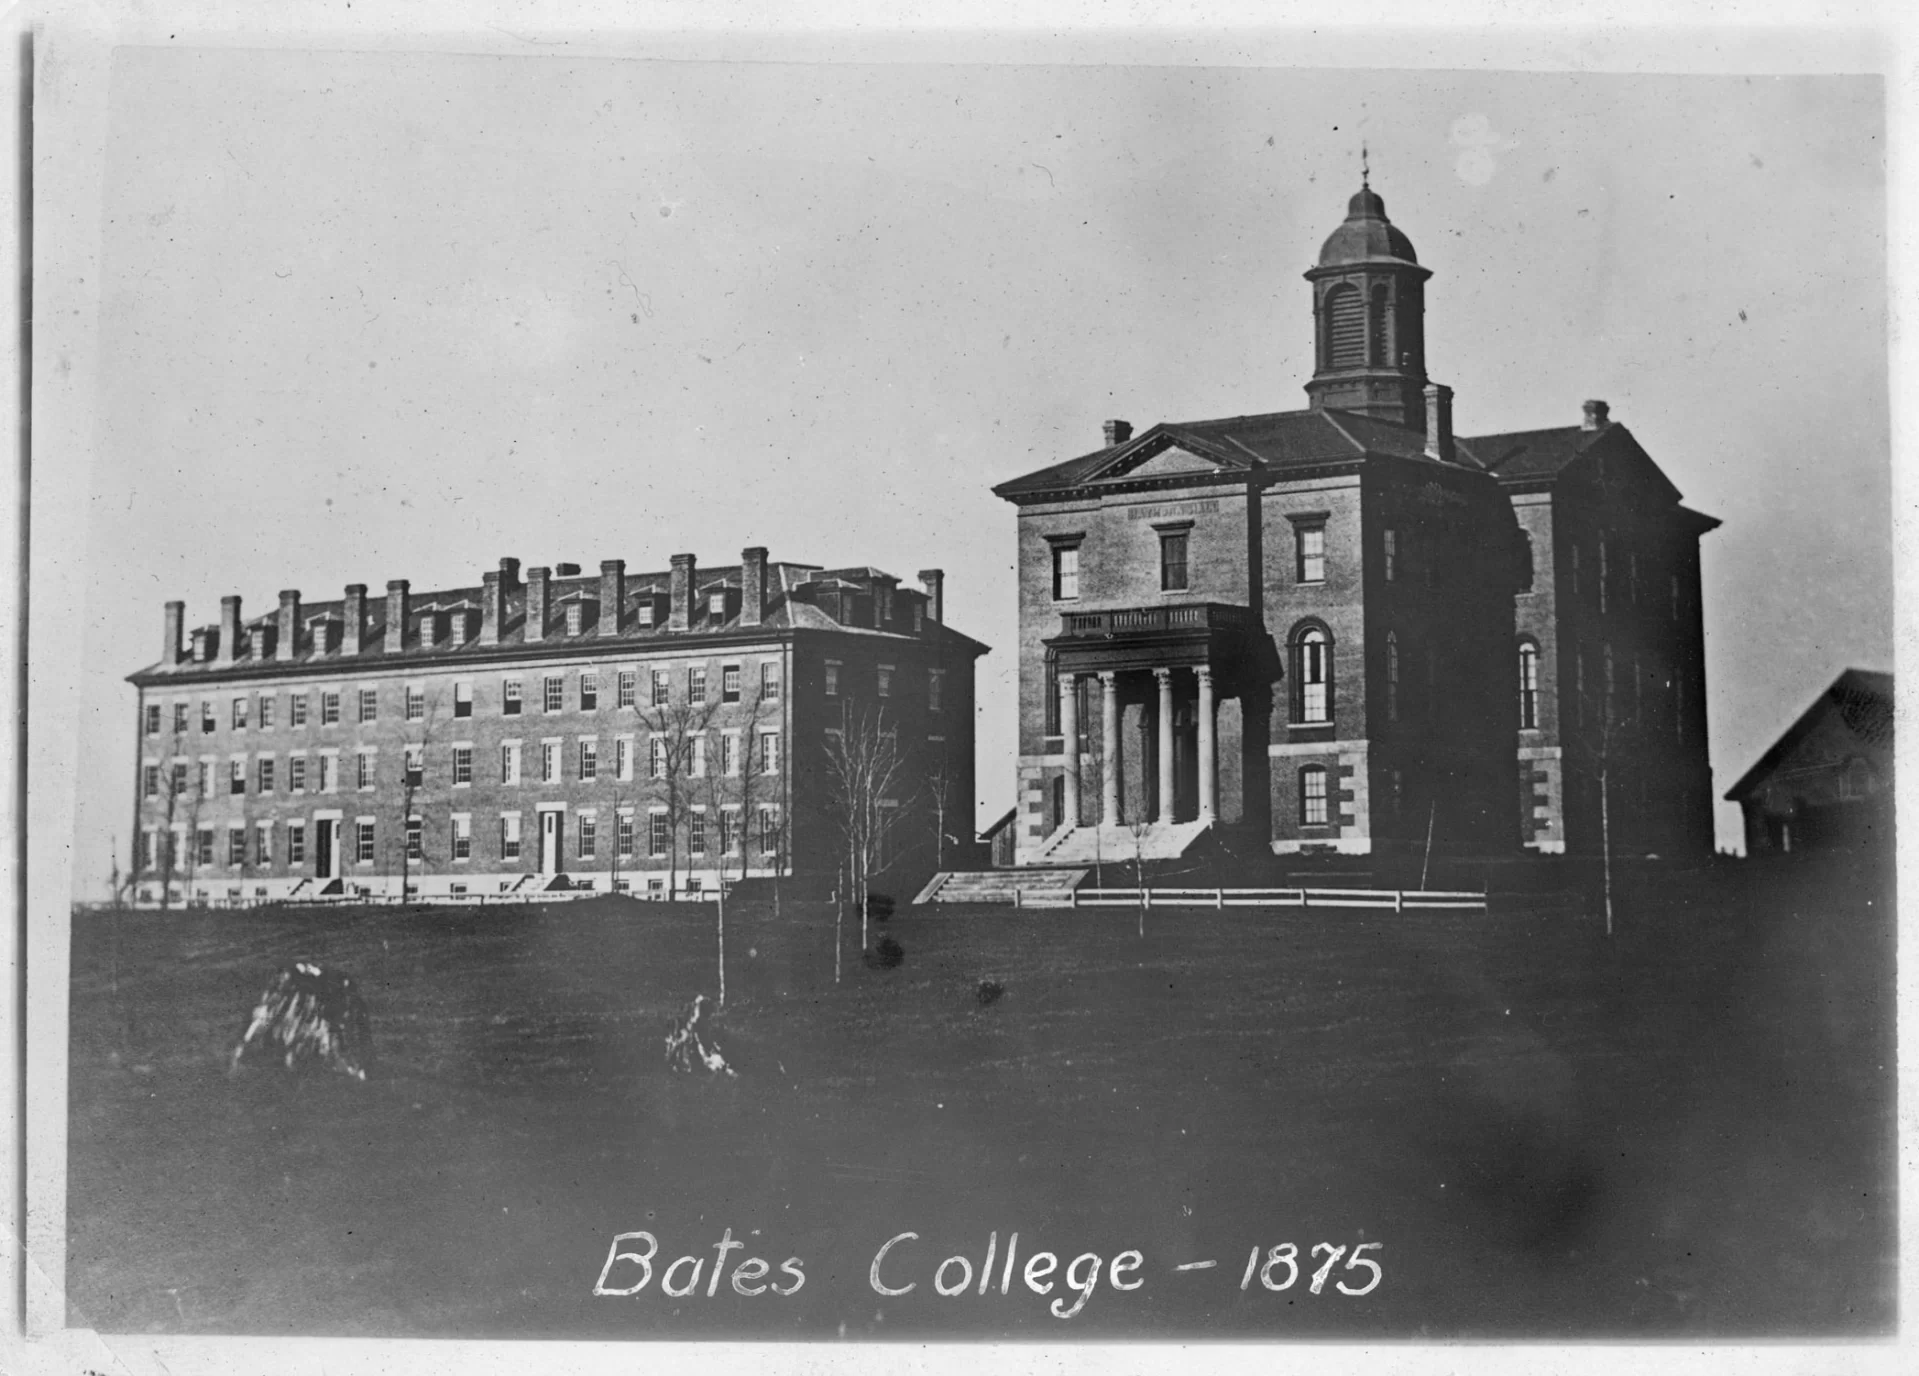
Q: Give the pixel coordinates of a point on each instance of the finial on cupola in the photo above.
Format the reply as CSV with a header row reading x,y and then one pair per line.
x,y
1365,173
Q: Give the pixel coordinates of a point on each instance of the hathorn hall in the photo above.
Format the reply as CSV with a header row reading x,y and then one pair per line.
x,y
1345,628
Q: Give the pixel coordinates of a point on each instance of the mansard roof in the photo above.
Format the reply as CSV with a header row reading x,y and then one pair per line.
x,y
1259,448
789,608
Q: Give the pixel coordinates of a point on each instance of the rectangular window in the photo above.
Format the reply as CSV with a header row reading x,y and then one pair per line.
x,y
463,699
730,754
203,845
662,688
769,681
363,848
935,678
656,758
656,834
297,774
589,834
363,770
150,780
239,714
623,834
729,683
549,762
1172,561
143,858
769,831
179,777
296,843
266,712
330,708
623,757
415,839
716,604
179,718
589,692
237,776
552,693
236,846
415,766
296,709
266,774
1065,572
369,704
832,678
1602,573
1312,796
589,761
509,762
207,722
1311,544
883,681
204,781
510,697
629,686
696,833
697,763
1391,562
769,752
462,836
415,702
696,684
462,765
729,830
509,836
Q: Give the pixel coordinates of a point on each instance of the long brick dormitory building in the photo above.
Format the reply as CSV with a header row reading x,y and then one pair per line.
x,y
632,732
1346,629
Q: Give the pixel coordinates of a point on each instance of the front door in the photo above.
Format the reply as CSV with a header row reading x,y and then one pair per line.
x,y
323,848
549,843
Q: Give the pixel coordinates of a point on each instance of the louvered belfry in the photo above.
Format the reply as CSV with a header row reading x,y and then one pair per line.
x,y
1369,316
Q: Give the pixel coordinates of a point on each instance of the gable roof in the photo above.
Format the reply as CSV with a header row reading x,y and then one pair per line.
x,y
1259,446
1862,700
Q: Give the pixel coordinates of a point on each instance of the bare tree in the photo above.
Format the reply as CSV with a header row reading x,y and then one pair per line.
x,y
939,802
676,757
1601,751
414,736
170,785
865,773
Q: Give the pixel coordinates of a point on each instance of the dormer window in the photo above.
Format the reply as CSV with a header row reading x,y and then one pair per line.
x,y
716,604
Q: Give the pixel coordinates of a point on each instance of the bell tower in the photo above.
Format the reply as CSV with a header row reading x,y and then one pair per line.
x,y
1369,318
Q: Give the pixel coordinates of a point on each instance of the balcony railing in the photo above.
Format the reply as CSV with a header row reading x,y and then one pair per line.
x,y
1191,616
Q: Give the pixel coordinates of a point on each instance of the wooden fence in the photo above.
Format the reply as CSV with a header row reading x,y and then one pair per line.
x,y
1393,900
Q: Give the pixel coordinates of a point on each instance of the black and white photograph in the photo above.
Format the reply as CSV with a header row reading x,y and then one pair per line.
x,y
795,697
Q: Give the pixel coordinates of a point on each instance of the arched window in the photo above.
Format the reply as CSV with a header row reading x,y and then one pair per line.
x,y
1312,796
1345,327
1392,676
1528,686
1379,345
1312,675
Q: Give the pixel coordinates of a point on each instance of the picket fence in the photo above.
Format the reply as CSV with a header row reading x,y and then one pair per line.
x,y
1394,900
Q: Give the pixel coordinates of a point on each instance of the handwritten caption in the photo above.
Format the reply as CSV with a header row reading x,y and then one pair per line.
x,y
899,1267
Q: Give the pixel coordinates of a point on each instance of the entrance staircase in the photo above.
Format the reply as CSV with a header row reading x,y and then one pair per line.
x,y
1118,845
1000,886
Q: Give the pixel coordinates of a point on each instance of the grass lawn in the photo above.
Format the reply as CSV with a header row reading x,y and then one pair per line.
x,y
1684,1131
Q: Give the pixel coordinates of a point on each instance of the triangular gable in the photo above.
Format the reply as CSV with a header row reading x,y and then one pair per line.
x,y
1170,462
1160,453
1617,462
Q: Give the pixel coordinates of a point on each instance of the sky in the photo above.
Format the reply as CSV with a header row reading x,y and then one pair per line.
x,y
396,315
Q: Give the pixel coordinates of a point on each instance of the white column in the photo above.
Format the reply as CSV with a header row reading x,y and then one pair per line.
x,y
1208,765
1165,677
1109,749
1069,729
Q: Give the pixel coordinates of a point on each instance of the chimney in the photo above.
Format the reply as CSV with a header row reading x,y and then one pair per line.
x,y
229,629
397,601
1596,418
492,608
752,585
679,609
509,574
352,637
1118,432
612,594
535,605
287,645
1439,421
934,581
176,618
